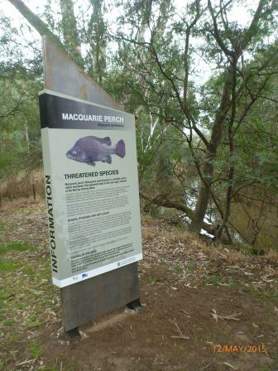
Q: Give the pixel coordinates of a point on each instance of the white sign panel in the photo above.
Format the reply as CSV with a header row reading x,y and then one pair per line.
x,y
91,180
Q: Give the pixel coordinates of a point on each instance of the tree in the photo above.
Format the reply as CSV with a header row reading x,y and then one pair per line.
x,y
165,63
20,80
71,38
24,77
93,33
96,37
153,72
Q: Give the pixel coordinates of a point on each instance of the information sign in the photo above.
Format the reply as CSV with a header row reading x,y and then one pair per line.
x,y
92,194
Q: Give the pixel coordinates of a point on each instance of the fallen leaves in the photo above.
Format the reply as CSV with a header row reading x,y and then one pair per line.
x,y
230,365
230,317
25,362
180,333
175,262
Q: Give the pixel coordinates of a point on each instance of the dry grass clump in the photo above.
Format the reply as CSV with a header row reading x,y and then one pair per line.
x,y
148,234
24,184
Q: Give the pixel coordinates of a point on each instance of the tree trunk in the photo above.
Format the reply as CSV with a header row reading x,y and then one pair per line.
x,y
27,137
70,32
42,27
202,201
35,21
97,34
208,168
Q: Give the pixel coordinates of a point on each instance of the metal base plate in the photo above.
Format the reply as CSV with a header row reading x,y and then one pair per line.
x,y
88,300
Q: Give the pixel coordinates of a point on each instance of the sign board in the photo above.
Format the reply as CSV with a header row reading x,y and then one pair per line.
x,y
90,163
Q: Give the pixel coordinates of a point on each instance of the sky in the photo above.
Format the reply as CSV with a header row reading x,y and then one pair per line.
x,y
240,14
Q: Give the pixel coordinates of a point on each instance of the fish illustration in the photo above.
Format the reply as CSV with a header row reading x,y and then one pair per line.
x,y
92,149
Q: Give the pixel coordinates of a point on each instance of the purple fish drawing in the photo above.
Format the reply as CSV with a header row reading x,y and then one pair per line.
x,y
92,149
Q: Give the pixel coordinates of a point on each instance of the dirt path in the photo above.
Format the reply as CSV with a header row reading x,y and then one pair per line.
x,y
205,307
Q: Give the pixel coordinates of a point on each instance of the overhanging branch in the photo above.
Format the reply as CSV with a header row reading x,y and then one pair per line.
x,y
35,21
162,201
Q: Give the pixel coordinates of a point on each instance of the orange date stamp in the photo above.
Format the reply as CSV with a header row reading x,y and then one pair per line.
x,y
234,348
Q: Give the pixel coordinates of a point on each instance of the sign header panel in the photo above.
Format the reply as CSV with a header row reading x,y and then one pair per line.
x,y
92,194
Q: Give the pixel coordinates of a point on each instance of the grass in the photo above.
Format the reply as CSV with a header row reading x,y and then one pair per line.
x,y
8,322
263,295
8,265
33,322
214,279
152,280
35,350
249,250
178,269
24,297
27,299
3,294
25,294
191,266
15,246
29,270
2,227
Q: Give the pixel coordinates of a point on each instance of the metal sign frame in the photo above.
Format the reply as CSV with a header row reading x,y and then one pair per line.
x,y
85,301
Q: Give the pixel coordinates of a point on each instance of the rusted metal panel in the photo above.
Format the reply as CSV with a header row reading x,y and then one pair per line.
x,y
63,75
87,300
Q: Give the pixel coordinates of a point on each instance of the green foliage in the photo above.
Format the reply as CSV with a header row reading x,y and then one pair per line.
x,y
214,280
8,322
14,246
19,120
8,265
220,128
35,349
20,80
